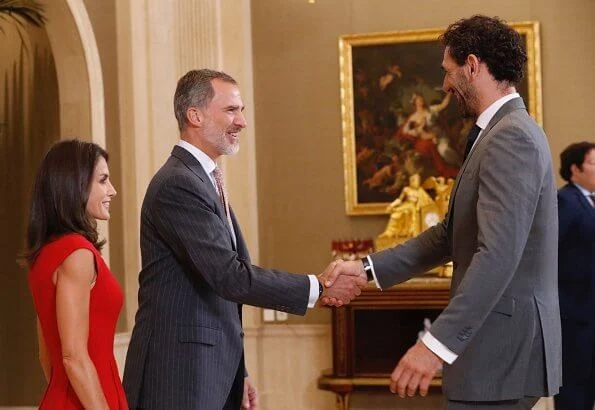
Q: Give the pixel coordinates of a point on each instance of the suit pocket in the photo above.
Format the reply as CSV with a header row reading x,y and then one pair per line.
x,y
505,306
199,334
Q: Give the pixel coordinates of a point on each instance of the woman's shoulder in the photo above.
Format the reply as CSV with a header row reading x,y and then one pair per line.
x,y
67,243
54,252
71,239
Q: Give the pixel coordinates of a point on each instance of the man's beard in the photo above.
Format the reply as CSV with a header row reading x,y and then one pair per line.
x,y
228,148
231,149
467,102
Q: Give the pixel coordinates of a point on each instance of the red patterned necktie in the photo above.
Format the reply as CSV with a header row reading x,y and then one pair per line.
x,y
218,175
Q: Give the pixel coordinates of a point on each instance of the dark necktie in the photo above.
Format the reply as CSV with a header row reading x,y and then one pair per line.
x,y
471,137
592,198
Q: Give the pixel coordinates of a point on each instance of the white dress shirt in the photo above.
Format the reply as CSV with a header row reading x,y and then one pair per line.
x,y
209,165
485,117
585,192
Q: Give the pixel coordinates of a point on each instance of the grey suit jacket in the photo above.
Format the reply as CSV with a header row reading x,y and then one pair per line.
x,y
501,232
187,345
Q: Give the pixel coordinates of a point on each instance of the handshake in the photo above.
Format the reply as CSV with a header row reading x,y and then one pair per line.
x,y
342,282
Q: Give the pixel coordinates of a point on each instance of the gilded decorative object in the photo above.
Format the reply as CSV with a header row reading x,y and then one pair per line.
x,y
396,119
415,210
446,270
442,188
405,218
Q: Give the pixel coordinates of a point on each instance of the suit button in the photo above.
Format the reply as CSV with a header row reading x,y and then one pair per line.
x,y
465,333
241,334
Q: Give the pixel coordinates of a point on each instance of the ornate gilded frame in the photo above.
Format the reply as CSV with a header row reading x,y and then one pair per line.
x,y
347,44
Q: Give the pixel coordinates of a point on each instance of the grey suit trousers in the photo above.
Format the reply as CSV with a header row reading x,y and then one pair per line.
x,y
523,404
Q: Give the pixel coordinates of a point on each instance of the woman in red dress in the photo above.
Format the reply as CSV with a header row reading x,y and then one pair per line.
x,y
76,297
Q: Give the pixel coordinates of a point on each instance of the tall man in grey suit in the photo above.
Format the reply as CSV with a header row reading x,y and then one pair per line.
x,y
186,350
499,336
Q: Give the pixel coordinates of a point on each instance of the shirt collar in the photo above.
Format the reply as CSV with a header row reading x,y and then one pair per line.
x,y
207,163
583,190
485,117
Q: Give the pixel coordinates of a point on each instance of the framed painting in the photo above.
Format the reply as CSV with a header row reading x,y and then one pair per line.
x,y
396,119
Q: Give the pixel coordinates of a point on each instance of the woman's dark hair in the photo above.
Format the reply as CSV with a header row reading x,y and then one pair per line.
x,y
492,41
60,195
574,154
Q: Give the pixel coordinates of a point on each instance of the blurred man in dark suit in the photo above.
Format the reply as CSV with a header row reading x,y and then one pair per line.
x,y
576,276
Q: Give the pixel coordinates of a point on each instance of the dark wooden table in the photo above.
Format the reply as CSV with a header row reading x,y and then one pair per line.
x,y
373,332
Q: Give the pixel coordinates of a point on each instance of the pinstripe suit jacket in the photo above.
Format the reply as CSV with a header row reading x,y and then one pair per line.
x,y
187,344
501,232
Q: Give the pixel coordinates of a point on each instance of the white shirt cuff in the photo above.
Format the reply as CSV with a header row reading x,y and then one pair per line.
x,y
314,290
373,272
438,348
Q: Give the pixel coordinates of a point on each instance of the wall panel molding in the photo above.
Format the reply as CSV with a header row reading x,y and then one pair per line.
x,y
197,34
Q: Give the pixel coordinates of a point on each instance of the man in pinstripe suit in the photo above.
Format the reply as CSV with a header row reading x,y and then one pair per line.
x,y
186,350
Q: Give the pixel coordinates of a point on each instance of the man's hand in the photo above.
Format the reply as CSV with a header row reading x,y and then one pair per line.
x,y
343,282
340,267
250,400
416,369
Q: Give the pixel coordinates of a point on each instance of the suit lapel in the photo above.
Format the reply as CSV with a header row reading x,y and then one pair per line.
x,y
241,248
583,200
195,166
192,163
507,108
510,106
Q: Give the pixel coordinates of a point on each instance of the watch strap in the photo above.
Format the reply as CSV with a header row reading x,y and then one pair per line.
x,y
368,268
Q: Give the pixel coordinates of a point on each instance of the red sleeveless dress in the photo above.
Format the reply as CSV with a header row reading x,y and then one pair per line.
x,y
105,305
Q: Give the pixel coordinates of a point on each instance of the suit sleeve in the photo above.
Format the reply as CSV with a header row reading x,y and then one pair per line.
x,y
416,256
186,219
511,175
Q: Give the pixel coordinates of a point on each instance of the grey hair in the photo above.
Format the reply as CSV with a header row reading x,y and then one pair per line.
x,y
196,90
